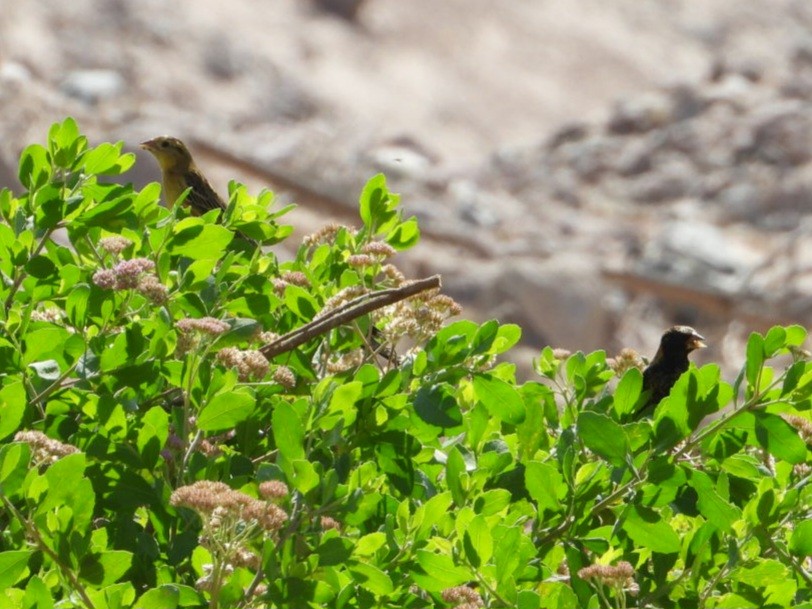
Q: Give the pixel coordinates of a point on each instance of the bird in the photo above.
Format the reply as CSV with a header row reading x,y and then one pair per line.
x,y
668,364
180,172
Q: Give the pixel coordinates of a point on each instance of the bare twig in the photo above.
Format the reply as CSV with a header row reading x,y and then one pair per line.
x,y
346,313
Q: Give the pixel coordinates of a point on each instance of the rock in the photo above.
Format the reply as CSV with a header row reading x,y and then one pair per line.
x,y
8,174
640,114
571,132
91,86
589,158
782,131
13,72
486,207
746,68
672,179
686,103
740,199
287,99
564,186
474,205
220,59
634,159
403,157
557,301
699,255
733,90
348,9
801,54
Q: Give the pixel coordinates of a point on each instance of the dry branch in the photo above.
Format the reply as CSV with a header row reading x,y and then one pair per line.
x,y
355,308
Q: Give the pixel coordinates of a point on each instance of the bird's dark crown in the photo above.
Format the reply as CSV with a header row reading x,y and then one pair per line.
x,y
682,338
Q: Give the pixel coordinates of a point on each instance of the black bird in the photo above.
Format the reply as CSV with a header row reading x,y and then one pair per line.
x,y
670,361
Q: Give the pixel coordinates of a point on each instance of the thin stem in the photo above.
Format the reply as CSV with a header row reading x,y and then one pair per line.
x,y
32,532
703,598
18,280
788,558
57,384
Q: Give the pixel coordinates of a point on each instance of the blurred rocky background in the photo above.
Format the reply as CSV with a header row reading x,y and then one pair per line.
x,y
594,171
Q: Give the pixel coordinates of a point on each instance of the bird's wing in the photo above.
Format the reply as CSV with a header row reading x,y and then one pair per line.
x,y
202,197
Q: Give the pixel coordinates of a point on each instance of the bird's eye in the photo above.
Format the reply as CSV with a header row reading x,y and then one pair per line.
x,y
164,144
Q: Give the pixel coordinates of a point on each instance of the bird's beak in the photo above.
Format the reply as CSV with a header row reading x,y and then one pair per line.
x,y
148,145
697,342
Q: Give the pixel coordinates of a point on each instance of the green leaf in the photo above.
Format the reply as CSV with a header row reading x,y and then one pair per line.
x,y
430,513
696,394
42,342
242,330
478,542
484,337
65,142
127,348
455,472
301,302
779,438
12,406
546,485
492,502
743,466
303,476
12,565
288,431
796,335
755,358
774,341
528,599
603,436
334,551
49,206
37,595
556,595
153,435
711,505
35,168
371,578
105,568
628,392
110,214
64,477
377,205
506,553
646,528
195,240
770,576
501,399
163,597
437,405
404,235
369,544
800,543
507,337
106,159
438,572
76,305
14,459
226,410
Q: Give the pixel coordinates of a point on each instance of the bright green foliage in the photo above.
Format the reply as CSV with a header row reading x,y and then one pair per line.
x,y
129,376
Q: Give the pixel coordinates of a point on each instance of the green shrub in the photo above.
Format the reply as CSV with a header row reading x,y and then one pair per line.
x,y
152,456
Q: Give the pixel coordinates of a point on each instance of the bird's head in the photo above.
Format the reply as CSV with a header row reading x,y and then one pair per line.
x,y
171,153
681,340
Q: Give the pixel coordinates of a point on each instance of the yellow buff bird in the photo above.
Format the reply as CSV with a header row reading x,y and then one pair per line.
x,y
179,173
